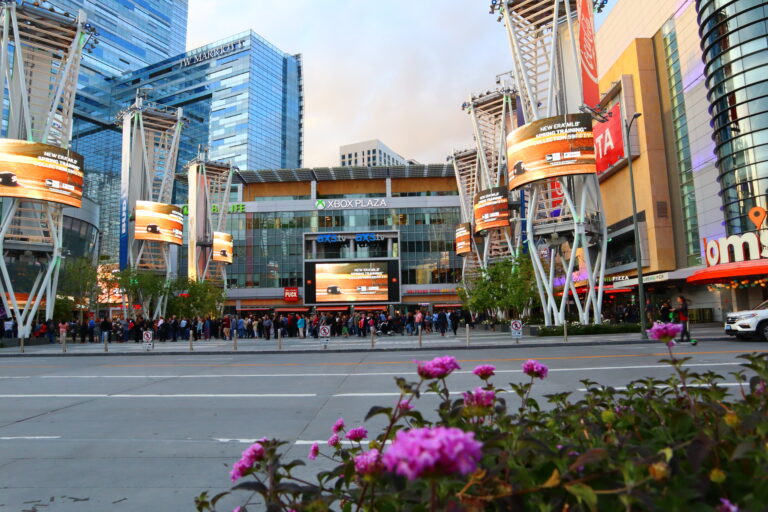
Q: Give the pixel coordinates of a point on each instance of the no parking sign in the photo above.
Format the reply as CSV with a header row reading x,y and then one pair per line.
x,y
149,344
516,328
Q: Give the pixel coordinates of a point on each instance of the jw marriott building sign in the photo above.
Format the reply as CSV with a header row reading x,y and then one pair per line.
x,y
213,52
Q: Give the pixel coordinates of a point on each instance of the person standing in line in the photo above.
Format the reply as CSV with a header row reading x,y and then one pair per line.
x,y
682,317
454,318
62,331
267,327
106,328
301,323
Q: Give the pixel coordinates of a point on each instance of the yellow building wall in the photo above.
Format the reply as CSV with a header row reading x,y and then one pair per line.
x,y
287,189
650,167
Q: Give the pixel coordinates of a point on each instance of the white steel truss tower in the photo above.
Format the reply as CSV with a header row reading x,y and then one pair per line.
x,y
565,229
208,207
151,134
39,64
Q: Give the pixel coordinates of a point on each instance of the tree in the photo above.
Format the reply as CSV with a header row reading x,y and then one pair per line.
x,y
196,299
79,283
145,288
507,286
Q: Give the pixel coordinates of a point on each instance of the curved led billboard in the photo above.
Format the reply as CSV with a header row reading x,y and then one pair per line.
x,y
551,147
491,208
222,247
352,281
158,222
33,170
464,238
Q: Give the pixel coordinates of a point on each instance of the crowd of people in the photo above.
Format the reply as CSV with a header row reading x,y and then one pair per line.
x,y
266,326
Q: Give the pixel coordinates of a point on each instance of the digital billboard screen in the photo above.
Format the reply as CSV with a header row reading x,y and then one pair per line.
x,y
222,247
551,147
464,238
33,170
491,209
158,222
352,281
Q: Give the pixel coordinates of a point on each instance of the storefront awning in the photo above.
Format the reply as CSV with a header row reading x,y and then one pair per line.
x,y
447,305
371,308
728,271
333,308
291,310
253,308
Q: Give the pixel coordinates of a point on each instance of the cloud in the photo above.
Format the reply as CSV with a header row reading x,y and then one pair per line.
x,y
396,70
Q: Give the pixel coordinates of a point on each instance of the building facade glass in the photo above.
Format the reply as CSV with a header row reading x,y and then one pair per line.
x,y
682,150
733,41
241,98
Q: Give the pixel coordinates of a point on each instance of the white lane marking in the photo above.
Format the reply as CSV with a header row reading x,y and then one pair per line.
x,y
185,395
664,386
28,437
366,374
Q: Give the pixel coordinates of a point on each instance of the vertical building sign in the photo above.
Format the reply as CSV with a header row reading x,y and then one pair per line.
x,y
463,238
125,180
609,140
587,54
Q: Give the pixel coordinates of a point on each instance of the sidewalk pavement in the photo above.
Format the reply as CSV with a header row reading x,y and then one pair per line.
x,y
477,339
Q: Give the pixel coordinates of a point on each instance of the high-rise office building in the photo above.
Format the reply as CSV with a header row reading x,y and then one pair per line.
x,y
242,99
369,153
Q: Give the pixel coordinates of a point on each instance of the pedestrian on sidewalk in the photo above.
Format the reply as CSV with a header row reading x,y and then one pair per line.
x,y
682,317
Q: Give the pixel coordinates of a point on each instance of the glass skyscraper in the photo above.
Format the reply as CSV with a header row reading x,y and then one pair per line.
x,y
242,97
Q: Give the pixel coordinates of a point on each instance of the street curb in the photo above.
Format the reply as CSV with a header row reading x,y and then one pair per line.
x,y
351,350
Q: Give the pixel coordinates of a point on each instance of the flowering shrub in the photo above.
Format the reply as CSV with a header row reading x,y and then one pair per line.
x,y
665,332
682,443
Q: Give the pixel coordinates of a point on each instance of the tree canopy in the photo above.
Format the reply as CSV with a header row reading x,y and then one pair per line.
x,y
507,286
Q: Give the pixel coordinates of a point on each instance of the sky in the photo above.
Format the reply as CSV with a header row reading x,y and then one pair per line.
x,y
396,70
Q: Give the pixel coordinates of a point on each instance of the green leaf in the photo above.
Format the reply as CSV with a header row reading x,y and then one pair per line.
x,y
584,493
250,485
376,410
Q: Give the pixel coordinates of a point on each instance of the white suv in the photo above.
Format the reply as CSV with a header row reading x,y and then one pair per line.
x,y
745,324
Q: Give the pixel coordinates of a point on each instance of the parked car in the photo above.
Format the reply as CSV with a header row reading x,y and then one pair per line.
x,y
153,228
749,323
8,179
333,290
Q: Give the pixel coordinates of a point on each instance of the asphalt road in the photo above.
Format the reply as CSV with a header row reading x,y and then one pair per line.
x,y
133,433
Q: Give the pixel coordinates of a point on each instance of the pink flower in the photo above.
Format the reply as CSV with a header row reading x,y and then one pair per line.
x,y
671,343
432,451
334,441
357,434
250,456
236,509
405,405
314,450
726,506
533,368
485,371
438,368
338,426
664,332
479,397
368,463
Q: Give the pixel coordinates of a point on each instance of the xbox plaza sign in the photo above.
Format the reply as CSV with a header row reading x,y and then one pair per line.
x,y
350,204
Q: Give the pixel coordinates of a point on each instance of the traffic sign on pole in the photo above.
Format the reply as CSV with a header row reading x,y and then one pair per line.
x,y
149,343
516,329
325,334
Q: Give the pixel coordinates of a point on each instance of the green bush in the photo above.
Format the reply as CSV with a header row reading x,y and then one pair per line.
x,y
575,329
678,444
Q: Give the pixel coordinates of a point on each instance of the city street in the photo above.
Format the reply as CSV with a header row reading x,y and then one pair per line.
x,y
138,433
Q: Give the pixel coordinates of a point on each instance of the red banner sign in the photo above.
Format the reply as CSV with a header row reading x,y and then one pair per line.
x,y
609,141
587,55
291,294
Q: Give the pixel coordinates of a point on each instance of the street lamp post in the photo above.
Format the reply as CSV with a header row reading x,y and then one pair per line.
x,y
640,288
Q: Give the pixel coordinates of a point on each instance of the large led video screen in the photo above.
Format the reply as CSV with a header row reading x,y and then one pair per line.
x,y
222,247
33,170
463,238
491,209
352,282
551,147
158,222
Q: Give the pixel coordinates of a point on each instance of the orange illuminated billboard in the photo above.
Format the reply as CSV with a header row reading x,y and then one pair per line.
x,y
463,238
222,247
158,222
491,209
551,147
33,170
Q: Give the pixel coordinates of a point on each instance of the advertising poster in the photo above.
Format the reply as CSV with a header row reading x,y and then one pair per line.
x,y
551,147
222,247
158,222
609,141
464,238
587,53
32,170
352,282
491,208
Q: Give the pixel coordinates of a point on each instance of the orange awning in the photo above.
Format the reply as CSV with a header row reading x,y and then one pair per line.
x,y
729,271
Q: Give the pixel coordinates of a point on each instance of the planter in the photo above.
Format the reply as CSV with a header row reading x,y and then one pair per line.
x,y
531,330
